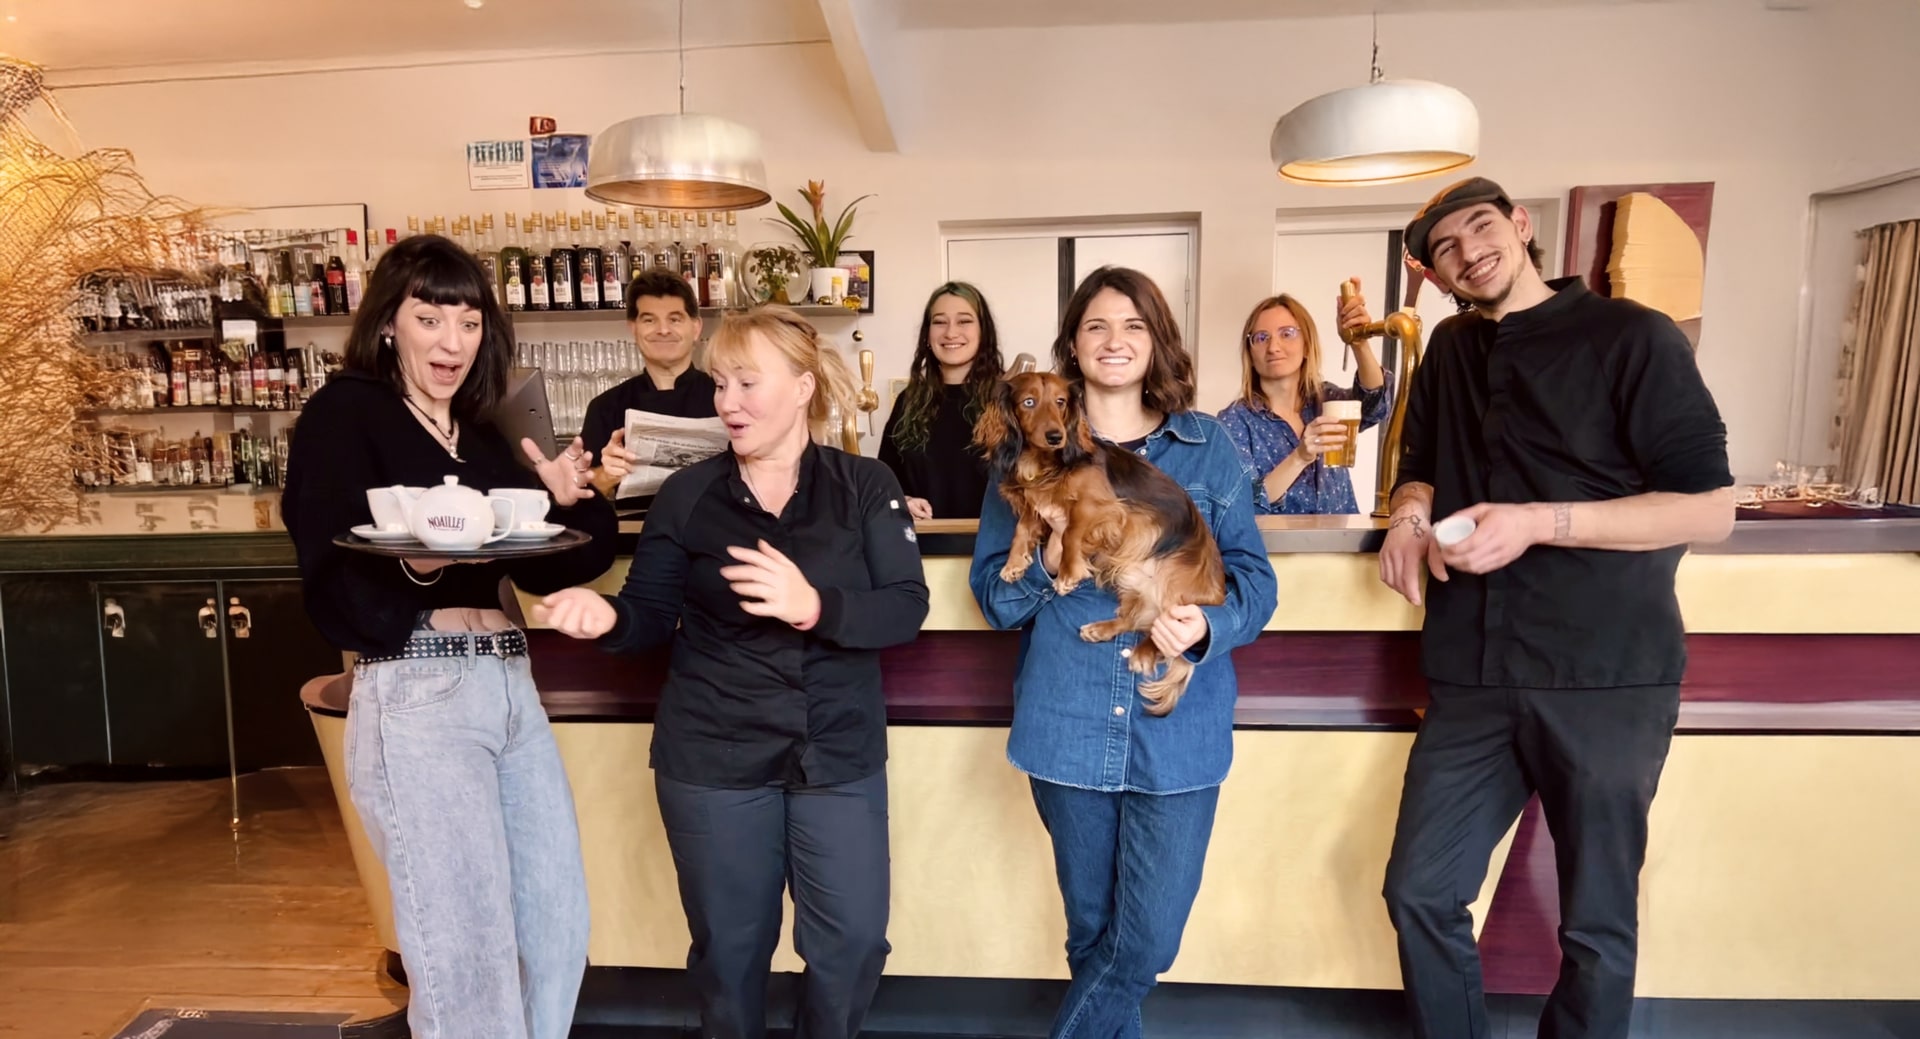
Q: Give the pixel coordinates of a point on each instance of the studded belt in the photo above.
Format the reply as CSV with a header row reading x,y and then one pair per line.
x,y
510,643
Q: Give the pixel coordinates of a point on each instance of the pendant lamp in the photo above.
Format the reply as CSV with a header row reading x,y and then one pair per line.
x,y
678,160
1389,130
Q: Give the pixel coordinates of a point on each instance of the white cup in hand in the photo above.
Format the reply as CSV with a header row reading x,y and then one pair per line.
x,y
1453,530
529,506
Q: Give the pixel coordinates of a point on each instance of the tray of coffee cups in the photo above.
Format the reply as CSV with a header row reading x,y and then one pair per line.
x,y
455,522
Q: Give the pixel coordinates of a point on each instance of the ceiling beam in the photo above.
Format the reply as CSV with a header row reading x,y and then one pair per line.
x,y
858,40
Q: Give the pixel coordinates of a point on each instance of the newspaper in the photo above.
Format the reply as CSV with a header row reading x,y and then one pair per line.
x,y
662,445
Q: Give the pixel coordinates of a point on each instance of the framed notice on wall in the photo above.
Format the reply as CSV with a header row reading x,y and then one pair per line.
x,y
560,160
859,265
494,165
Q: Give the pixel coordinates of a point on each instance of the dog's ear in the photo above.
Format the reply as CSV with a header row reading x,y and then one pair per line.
x,y
1079,445
997,433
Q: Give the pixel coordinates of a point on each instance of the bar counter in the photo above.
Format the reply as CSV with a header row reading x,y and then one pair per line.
x,y
1782,839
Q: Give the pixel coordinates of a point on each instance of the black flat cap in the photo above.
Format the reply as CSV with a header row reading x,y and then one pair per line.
x,y
1470,192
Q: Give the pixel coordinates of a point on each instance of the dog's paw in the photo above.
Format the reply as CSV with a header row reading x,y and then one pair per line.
x,y
1098,631
1014,571
1066,583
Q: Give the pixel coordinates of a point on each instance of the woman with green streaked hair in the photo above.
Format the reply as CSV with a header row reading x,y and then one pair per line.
x,y
928,442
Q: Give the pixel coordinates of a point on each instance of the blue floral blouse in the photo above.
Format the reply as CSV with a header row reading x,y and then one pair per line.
x,y
1263,439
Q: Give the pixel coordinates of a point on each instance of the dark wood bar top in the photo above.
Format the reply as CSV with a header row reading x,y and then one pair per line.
x,y
1780,529
1774,684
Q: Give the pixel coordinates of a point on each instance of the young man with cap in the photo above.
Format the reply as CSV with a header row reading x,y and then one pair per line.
x,y
664,317
1576,433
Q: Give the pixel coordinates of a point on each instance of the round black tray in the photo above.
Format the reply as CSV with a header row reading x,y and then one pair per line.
x,y
411,549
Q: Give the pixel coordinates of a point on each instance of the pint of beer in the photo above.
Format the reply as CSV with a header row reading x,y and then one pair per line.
x,y
1348,412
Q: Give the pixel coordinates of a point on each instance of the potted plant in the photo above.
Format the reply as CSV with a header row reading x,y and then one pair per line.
x,y
822,241
773,266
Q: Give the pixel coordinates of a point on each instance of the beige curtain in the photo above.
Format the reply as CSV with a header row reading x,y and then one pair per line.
x,y
1879,418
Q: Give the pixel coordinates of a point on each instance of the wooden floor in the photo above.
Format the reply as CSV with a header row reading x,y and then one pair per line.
x,y
116,897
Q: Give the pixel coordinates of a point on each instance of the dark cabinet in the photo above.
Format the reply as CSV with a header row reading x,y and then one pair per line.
x,y
161,662
272,649
157,676
56,701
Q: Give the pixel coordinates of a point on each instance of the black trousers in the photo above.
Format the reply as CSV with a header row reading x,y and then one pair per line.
x,y
735,851
1594,756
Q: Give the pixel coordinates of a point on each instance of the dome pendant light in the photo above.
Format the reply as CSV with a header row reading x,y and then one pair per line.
x,y
1381,133
678,161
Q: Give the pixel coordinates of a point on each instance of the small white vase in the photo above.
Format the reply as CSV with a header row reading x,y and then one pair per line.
x,y
830,285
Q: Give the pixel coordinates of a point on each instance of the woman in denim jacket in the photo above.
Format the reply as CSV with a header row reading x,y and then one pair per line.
x,y
1128,798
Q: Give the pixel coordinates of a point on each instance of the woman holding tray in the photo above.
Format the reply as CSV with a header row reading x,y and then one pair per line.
x,y
449,758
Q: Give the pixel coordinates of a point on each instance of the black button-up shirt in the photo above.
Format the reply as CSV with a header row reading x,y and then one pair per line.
x,y
1580,398
751,701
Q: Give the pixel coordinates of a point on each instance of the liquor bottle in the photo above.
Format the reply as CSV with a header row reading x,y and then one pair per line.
x,y
336,284
616,269
689,263
159,371
718,270
302,282
539,266
592,259
242,385
317,283
222,460
291,376
257,375
223,382
513,264
276,381
701,233
490,258
565,275
413,227
316,370
202,468
666,254
355,280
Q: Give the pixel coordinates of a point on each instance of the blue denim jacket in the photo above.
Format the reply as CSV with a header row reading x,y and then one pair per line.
x,y
1078,718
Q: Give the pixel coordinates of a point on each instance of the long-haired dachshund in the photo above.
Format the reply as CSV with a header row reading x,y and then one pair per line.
x,y
1129,526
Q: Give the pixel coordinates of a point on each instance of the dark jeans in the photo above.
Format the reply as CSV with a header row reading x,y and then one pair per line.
x,y
1594,756
1129,868
734,851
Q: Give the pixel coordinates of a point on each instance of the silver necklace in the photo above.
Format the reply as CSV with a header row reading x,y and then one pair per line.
x,y
747,475
449,437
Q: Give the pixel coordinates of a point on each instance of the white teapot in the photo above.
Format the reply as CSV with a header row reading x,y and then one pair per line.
x,y
455,518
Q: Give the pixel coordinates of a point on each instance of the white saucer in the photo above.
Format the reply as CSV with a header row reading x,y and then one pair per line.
x,y
373,533
543,532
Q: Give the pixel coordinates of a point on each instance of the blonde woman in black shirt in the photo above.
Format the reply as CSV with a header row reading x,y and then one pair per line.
x,y
450,762
777,570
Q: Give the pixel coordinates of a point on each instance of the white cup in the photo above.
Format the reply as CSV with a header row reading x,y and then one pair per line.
x,y
1453,530
389,513
529,506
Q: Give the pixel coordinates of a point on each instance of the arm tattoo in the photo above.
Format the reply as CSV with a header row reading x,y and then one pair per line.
x,y
1562,521
1419,525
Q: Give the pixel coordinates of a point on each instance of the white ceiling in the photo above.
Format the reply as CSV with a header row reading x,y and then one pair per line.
x,y
79,36
75,35
990,14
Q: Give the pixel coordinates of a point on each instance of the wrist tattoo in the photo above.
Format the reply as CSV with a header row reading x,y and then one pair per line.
x,y
1409,518
1562,521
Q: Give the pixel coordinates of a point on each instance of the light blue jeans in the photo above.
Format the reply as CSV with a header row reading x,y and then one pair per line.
x,y
456,777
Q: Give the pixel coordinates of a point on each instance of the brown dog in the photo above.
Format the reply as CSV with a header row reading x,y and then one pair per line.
x,y
1129,526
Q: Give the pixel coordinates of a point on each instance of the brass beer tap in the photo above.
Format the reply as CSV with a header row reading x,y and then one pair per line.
x,y
1402,326
866,400
869,400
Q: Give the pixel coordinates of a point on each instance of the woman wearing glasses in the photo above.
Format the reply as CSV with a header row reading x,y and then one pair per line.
x,y
1278,423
